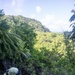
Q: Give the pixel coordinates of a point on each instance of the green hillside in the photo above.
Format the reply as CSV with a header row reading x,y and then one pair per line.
x,y
36,25
28,45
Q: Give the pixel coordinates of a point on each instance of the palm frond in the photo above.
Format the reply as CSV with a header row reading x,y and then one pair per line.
x,y
1,12
73,24
73,11
72,18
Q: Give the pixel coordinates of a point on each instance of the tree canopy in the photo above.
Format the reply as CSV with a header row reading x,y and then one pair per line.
x,y
30,46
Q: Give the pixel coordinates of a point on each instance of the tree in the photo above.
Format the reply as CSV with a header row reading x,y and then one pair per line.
x,y
1,12
72,19
10,43
24,31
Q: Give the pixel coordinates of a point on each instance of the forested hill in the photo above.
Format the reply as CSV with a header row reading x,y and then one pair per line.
x,y
36,25
45,53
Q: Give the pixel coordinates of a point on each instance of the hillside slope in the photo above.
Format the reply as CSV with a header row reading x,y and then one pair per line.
x,y
36,25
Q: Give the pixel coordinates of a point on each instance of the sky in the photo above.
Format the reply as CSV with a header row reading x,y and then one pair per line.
x,y
53,14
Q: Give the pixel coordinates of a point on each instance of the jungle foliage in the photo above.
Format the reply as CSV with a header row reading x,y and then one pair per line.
x,y
31,47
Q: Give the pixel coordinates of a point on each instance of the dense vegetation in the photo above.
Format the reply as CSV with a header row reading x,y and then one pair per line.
x,y
36,25
28,45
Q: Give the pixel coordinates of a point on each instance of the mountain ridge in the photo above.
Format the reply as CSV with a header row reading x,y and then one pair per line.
x,y
35,24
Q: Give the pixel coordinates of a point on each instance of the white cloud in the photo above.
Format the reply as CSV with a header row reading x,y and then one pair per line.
x,y
32,16
17,5
18,11
55,24
13,3
38,9
47,19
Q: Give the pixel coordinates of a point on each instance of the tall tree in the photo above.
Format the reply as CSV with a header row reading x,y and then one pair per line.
x,y
25,31
10,43
72,20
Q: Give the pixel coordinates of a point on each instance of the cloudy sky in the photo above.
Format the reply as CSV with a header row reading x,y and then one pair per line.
x,y
54,14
